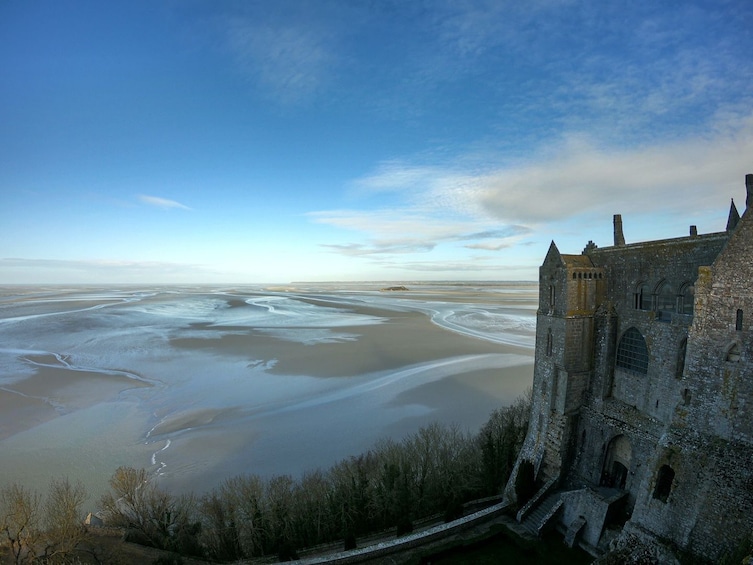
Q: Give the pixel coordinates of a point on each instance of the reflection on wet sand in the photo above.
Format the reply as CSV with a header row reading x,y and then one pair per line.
x,y
199,384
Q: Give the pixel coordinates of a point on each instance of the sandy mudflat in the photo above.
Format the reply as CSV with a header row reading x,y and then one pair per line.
x,y
470,397
18,412
404,339
53,392
245,382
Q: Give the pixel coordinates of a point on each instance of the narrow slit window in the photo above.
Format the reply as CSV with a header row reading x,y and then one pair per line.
x,y
680,368
642,298
739,321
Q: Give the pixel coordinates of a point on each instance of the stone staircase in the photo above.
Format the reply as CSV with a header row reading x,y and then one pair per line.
x,y
541,516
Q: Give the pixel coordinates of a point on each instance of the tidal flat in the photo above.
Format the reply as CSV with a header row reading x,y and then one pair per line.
x,y
198,384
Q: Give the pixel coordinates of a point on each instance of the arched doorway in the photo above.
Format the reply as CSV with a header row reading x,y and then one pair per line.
x,y
616,463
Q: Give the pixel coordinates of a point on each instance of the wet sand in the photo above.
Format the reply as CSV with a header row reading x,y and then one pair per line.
x,y
405,338
54,392
196,401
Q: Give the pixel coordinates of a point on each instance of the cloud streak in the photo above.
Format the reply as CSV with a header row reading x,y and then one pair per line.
x,y
163,203
501,208
85,271
290,57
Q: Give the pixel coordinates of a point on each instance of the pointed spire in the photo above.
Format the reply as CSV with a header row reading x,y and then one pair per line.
x,y
733,217
553,254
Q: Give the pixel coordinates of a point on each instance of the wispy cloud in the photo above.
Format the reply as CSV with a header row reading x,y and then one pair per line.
x,y
501,208
161,202
81,271
408,231
475,265
291,60
577,175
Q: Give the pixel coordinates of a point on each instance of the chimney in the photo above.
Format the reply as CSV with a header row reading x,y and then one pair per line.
x,y
749,190
693,231
619,239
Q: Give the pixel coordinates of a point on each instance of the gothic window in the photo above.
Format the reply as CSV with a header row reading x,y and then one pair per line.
x,y
666,299
680,367
733,353
687,292
739,321
549,342
642,297
664,483
632,353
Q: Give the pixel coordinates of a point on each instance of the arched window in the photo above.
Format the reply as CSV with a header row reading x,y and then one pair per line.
x,y
642,297
687,292
733,353
739,321
614,473
632,353
664,483
666,299
680,367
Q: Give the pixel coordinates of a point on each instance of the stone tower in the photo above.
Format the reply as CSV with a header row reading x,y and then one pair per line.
x,y
642,392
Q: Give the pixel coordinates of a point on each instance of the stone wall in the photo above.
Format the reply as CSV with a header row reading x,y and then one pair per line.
x,y
674,433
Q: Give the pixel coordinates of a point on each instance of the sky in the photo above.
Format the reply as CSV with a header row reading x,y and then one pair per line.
x,y
361,140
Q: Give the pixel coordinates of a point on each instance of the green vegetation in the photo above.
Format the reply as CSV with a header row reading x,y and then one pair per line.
x,y
430,473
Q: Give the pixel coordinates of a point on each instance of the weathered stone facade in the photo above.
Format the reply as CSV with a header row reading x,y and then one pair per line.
x,y
643,389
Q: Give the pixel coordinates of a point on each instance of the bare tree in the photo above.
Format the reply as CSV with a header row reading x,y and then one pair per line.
x,y
151,515
63,520
312,509
19,521
235,520
500,440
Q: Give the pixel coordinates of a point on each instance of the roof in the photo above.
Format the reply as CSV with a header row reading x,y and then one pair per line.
x,y
577,261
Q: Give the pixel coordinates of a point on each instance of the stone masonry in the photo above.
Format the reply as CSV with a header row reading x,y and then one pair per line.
x,y
643,389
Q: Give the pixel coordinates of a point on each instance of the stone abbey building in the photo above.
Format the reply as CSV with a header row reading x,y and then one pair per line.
x,y
642,418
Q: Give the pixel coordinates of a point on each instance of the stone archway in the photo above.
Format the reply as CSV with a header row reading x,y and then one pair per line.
x,y
617,457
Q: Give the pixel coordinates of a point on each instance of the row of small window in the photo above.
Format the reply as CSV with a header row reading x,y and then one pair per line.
x,y
589,275
664,298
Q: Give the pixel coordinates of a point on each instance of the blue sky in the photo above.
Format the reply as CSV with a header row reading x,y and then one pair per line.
x,y
278,141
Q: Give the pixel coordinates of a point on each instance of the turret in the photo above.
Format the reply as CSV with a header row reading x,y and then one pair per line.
x,y
749,191
619,238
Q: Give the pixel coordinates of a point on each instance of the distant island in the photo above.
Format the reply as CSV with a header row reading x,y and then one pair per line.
x,y
393,288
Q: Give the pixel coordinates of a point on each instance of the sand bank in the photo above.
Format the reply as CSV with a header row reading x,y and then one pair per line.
x,y
405,338
56,391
